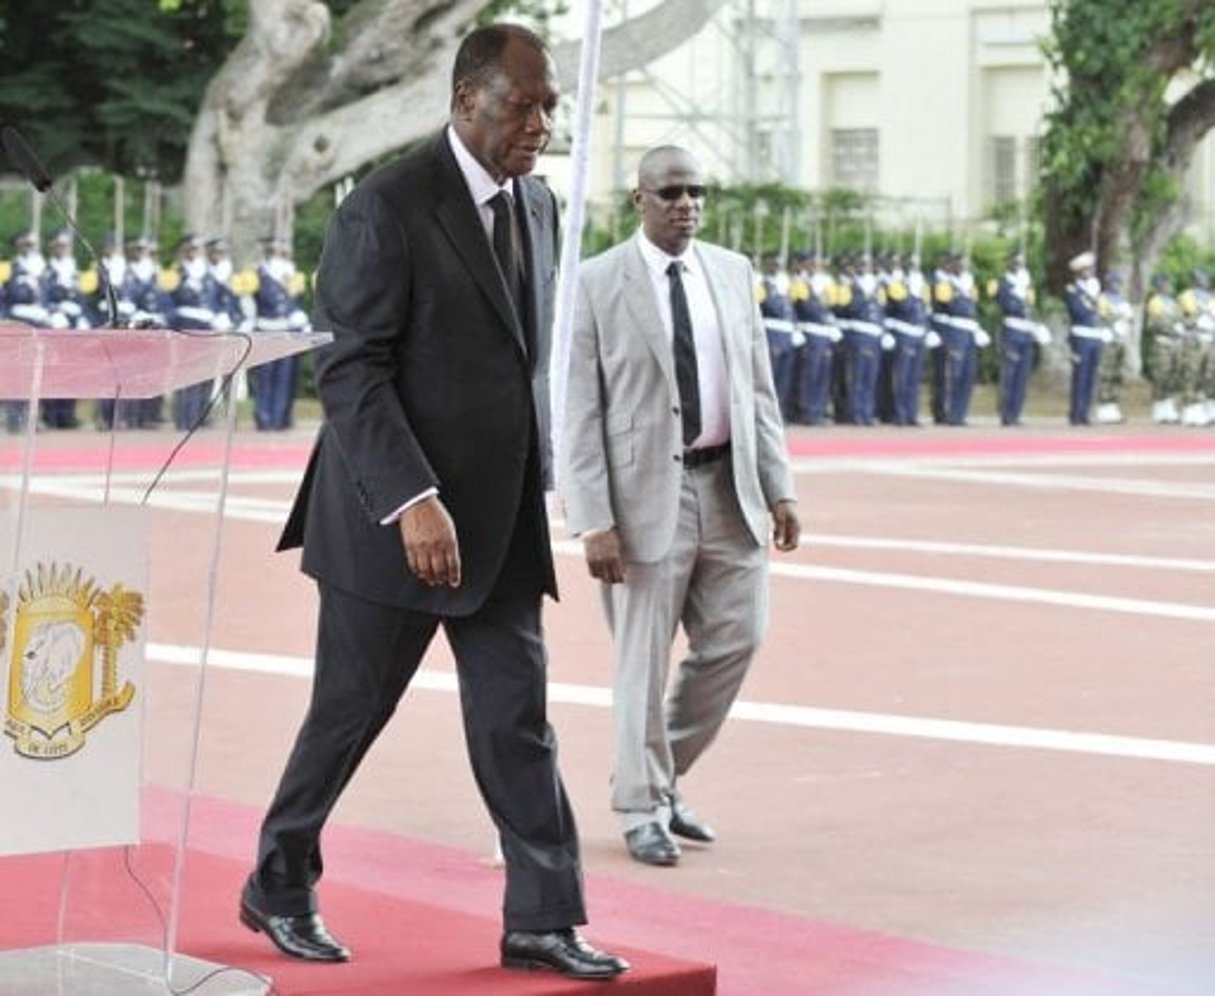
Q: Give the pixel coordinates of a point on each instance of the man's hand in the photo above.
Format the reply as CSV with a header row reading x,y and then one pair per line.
x,y
431,548
785,528
603,558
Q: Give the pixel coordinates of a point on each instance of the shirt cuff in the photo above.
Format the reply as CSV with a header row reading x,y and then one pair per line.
x,y
392,517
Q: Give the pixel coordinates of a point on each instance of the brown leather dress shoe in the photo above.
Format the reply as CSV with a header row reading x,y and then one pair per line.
x,y
561,951
298,936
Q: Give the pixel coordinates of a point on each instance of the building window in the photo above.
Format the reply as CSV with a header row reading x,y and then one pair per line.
x,y
854,159
1033,165
1004,188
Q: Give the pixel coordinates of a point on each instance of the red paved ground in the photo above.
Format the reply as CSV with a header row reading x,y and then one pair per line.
x,y
1073,860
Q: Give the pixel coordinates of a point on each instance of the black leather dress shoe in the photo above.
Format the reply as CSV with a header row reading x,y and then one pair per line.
x,y
689,826
650,844
561,951
298,936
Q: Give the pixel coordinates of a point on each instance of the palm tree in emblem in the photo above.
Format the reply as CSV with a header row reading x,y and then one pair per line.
x,y
118,616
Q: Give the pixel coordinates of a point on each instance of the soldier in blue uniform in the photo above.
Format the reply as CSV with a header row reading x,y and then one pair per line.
x,y
25,302
860,316
66,307
1019,333
231,311
810,292
194,310
152,309
1086,336
953,316
784,341
906,321
278,310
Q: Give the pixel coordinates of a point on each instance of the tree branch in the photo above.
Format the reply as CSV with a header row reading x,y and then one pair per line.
x,y
1188,122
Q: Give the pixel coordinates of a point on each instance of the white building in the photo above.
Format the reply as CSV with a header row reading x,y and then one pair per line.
x,y
935,105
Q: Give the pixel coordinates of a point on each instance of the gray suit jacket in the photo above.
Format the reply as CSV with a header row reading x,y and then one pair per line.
x,y
621,443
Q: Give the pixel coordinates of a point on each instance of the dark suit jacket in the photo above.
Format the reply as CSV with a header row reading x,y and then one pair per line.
x,y
431,381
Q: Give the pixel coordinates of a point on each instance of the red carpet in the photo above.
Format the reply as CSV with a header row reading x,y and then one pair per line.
x,y
430,927
401,946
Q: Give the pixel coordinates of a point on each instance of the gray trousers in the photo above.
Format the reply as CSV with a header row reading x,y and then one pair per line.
x,y
714,582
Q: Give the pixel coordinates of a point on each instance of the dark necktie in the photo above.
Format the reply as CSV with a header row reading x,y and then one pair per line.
x,y
506,247
685,356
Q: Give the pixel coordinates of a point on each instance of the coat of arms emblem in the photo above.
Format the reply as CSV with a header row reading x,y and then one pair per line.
x,y
63,668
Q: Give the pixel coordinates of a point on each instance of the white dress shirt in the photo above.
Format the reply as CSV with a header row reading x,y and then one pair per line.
x,y
711,371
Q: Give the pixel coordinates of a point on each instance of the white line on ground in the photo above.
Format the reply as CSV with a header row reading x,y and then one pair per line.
x,y
806,717
974,589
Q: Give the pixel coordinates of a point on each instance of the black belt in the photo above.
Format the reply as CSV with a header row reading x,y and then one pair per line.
x,y
707,454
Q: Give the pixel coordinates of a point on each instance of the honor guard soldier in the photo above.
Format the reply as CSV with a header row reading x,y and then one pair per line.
x,y
841,304
194,310
780,326
1020,331
1117,313
934,339
953,317
114,268
27,293
24,294
65,305
907,322
1165,335
1198,313
885,267
114,265
150,306
233,305
278,310
860,315
810,292
1087,334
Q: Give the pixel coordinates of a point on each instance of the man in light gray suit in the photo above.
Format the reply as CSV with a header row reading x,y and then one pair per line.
x,y
672,460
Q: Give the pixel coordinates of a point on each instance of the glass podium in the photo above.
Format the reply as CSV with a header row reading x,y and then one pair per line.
x,y
119,890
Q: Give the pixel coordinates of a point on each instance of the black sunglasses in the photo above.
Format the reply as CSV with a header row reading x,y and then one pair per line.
x,y
672,193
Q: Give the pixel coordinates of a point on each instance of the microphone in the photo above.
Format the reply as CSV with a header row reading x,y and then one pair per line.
x,y
22,156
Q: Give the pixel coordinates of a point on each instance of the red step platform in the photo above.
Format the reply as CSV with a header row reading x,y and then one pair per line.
x,y
401,945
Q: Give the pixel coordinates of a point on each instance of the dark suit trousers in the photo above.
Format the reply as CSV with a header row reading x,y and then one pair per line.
x,y
366,655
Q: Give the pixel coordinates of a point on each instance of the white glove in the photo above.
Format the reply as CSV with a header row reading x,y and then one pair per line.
x,y
1042,335
798,338
836,335
982,339
931,339
1107,335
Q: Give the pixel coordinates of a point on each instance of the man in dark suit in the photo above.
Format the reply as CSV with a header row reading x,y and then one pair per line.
x,y
423,502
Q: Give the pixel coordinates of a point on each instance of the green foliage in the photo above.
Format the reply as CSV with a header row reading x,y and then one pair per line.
x,y
1102,56
538,14
114,83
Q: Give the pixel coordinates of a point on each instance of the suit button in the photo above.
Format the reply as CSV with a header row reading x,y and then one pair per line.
x,y
675,411
678,458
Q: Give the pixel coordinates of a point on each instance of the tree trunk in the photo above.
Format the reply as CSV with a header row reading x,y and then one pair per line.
x,y
288,114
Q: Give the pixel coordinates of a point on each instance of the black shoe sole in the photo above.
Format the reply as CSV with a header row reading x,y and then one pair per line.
x,y
533,965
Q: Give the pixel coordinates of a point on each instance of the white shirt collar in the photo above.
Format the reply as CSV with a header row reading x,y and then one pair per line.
x,y
480,184
657,260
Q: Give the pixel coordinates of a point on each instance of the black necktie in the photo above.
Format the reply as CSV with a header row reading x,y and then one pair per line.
x,y
685,356
506,247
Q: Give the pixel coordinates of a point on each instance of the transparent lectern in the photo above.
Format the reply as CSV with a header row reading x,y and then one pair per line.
x,y
118,904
